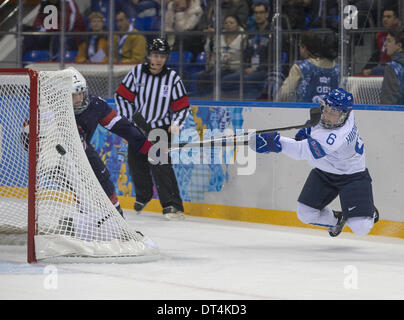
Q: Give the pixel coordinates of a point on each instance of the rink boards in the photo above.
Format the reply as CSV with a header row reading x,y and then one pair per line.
x,y
269,193
263,188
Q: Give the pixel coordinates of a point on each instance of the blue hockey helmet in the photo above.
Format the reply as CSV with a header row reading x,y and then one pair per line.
x,y
336,105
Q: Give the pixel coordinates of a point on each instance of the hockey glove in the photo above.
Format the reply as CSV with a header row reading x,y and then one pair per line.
x,y
302,134
268,142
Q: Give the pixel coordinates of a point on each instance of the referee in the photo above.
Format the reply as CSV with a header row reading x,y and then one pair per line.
x,y
158,93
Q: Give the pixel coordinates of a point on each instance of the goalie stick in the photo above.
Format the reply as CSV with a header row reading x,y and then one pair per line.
x,y
315,115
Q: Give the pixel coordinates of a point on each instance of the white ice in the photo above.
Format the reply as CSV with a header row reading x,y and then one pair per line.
x,y
216,259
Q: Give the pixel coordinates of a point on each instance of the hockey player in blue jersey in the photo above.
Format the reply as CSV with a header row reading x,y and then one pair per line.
x,y
90,111
336,151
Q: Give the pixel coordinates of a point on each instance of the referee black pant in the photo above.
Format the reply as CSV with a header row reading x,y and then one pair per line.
x,y
143,173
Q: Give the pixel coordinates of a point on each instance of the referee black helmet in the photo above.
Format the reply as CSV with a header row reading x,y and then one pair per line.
x,y
159,45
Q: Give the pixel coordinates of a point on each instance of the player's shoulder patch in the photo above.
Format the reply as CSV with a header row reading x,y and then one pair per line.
x,y
316,148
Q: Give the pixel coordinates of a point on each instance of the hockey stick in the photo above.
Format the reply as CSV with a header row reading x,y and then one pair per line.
x,y
315,115
141,124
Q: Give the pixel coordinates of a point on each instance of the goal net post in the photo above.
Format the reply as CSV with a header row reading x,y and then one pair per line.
x,y
48,191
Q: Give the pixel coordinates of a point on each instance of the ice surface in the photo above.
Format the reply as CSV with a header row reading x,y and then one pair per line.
x,y
216,259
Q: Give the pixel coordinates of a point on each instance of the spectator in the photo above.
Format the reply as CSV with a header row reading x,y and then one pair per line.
x,y
296,11
230,53
184,15
393,81
317,74
321,13
95,47
379,57
103,7
143,8
128,48
251,24
74,23
237,8
255,54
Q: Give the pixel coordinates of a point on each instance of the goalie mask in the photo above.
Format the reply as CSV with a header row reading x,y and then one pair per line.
x,y
335,108
79,91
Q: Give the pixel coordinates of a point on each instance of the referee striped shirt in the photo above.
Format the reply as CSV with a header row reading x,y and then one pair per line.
x,y
161,98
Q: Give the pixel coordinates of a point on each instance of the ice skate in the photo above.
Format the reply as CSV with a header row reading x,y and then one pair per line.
x,y
139,206
376,215
171,213
337,229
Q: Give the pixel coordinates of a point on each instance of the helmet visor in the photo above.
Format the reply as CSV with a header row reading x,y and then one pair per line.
x,y
332,117
80,101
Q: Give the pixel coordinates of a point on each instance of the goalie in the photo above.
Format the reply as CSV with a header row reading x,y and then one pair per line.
x,y
336,151
89,112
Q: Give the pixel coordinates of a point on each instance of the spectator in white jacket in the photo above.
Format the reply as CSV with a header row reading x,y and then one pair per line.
x,y
184,15
231,51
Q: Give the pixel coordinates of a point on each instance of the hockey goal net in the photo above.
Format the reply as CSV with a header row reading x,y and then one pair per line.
x,y
365,90
97,76
48,190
